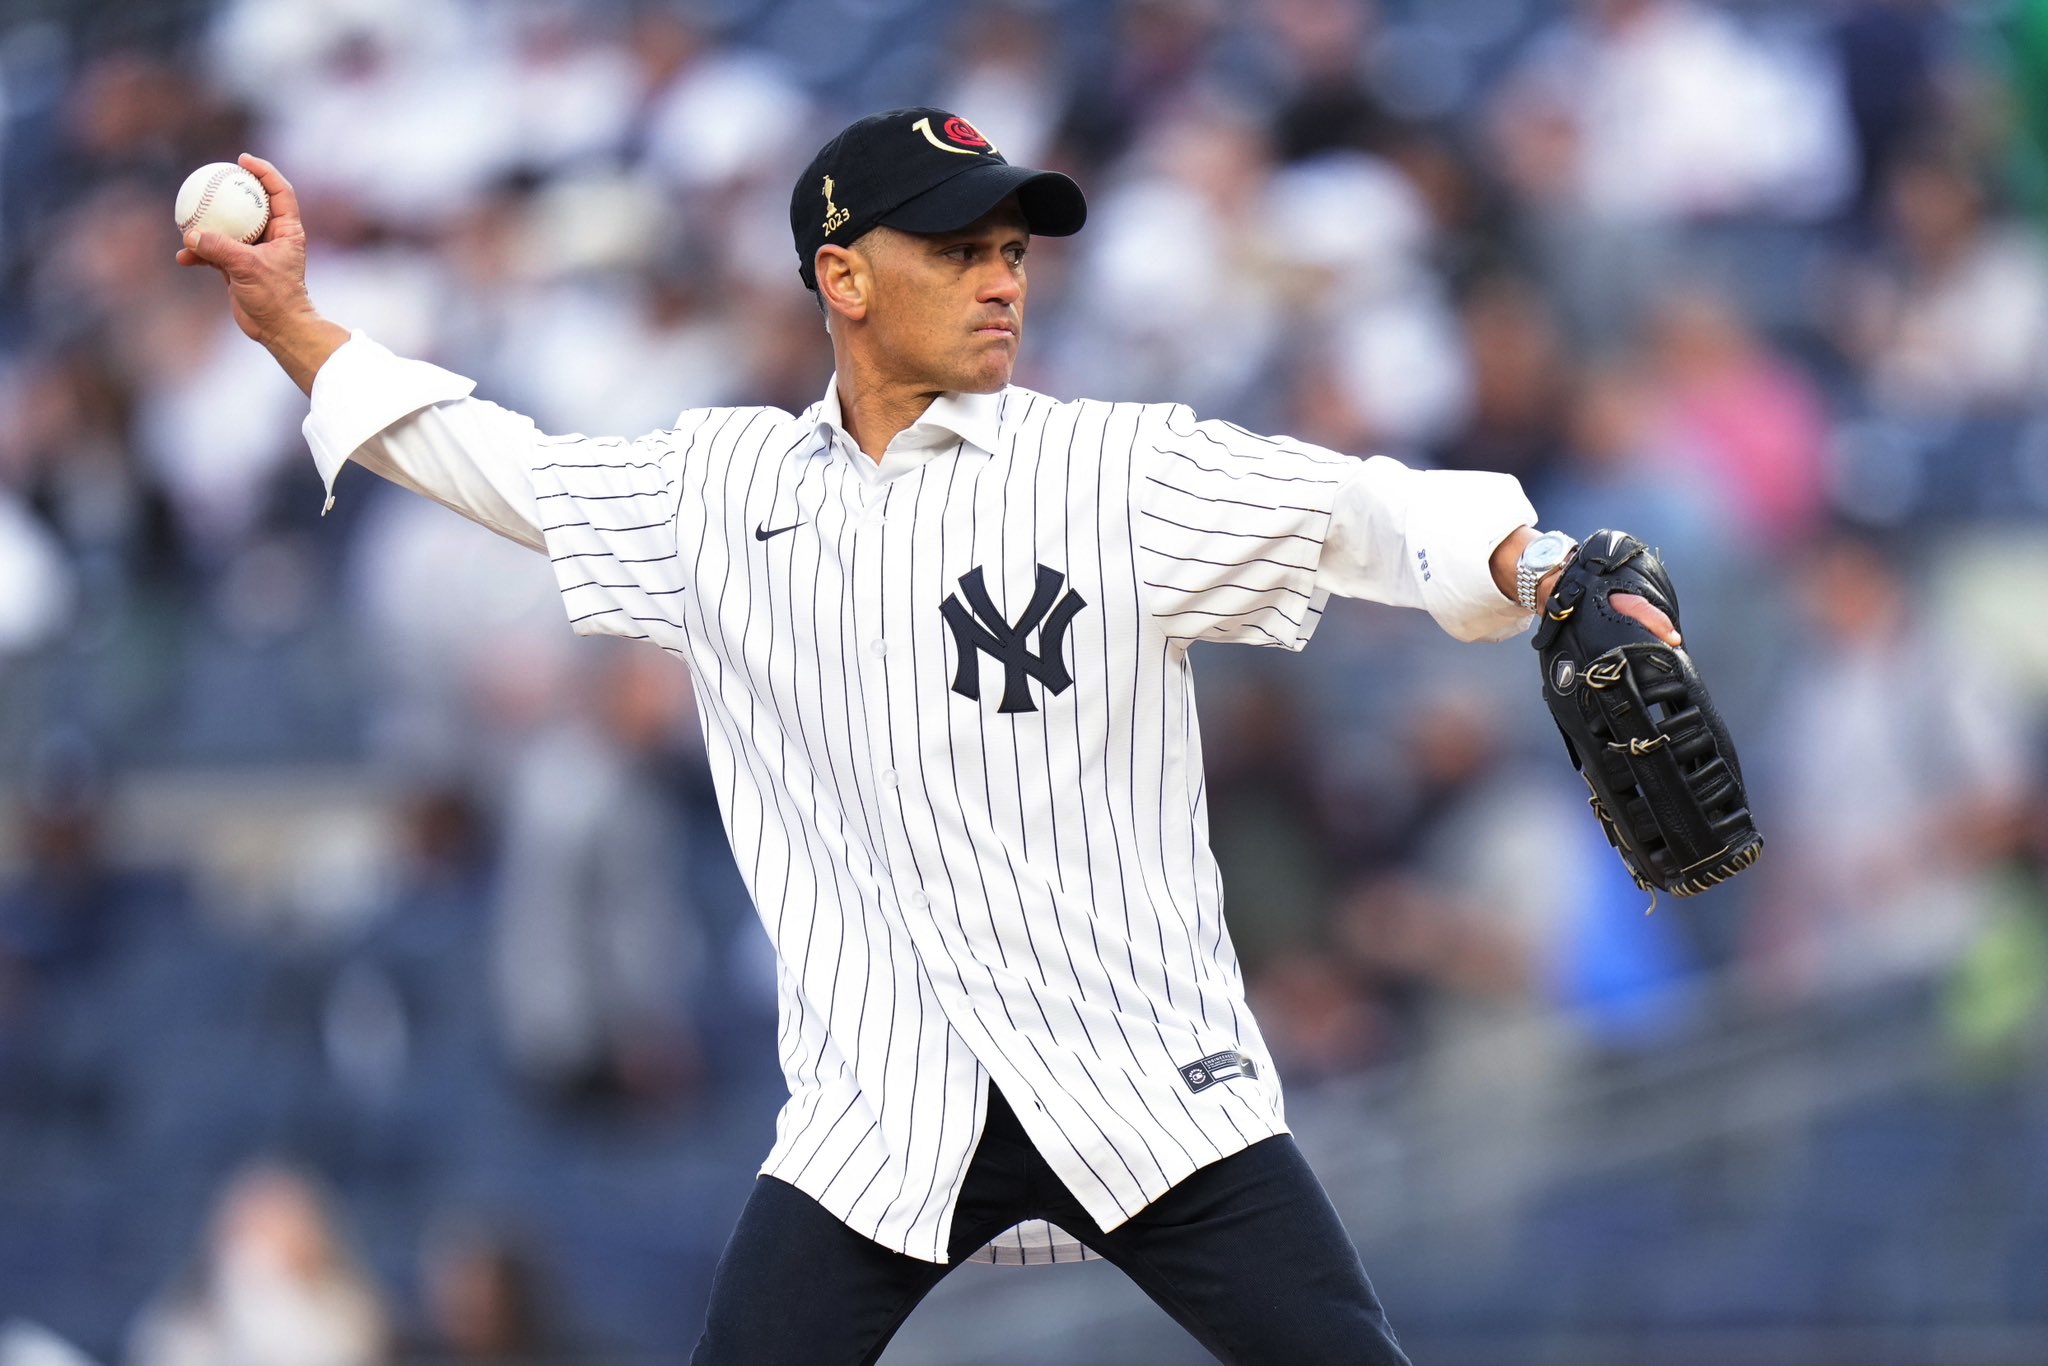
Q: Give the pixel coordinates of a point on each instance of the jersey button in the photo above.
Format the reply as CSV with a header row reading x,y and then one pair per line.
x,y
878,648
888,777
919,901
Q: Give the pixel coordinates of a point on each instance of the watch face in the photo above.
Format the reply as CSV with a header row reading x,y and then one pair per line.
x,y
1546,552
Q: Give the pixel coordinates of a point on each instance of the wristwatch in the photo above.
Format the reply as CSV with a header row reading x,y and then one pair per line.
x,y
1549,550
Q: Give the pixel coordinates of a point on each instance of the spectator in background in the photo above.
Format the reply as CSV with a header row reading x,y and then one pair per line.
x,y
63,449
487,1301
1442,926
1672,110
216,435
1322,51
134,112
1322,1021
1752,426
624,331
273,1286
1620,469
1632,118
1951,315
717,117
1156,63
1345,240
593,948
345,90
1892,771
1520,385
443,701
1461,943
40,591
60,920
1150,319
196,425
1273,846
573,82
1894,57
1005,65
717,114
1478,818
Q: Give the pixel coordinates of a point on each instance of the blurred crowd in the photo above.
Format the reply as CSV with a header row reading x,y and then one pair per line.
x,y
1766,284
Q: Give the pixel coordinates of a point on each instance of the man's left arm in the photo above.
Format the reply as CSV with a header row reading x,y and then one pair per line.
x,y
1242,537
1429,539
1447,541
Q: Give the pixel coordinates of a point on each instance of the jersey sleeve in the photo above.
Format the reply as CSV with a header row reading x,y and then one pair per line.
x,y
603,509
1229,527
1425,538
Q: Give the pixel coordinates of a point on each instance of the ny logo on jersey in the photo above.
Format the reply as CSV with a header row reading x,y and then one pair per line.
x,y
985,629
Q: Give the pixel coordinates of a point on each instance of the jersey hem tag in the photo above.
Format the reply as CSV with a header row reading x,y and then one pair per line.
x,y
1226,1066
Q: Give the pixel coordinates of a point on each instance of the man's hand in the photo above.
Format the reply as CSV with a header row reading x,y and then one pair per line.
x,y
1641,609
1645,612
267,281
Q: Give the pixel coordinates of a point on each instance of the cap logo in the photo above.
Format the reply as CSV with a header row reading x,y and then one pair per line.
x,y
835,217
960,137
961,131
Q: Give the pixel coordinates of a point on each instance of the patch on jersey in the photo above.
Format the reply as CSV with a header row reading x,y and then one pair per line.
x,y
1200,1076
980,627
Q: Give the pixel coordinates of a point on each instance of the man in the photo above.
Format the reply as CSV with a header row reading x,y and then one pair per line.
x,y
938,626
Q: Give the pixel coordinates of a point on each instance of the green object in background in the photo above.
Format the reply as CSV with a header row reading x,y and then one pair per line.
x,y
2000,984
2026,62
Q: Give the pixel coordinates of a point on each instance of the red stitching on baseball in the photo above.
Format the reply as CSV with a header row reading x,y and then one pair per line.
x,y
205,198
218,179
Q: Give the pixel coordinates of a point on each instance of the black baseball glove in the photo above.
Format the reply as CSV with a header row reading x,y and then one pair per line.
x,y
1639,725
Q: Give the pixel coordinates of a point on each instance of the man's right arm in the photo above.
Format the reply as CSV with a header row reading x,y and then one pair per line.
x,y
409,421
611,526
416,425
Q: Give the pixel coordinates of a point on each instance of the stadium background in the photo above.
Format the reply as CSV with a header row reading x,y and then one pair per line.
x,y
372,972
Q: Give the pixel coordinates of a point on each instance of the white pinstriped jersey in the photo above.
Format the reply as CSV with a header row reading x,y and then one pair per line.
x,y
948,708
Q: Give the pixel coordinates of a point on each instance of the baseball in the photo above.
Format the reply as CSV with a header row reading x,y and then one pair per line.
x,y
223,198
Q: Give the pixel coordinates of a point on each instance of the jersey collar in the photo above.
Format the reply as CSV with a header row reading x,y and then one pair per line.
x,y
951,418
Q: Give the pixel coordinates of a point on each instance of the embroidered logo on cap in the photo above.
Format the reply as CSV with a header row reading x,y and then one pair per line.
x,y
960,137
835,217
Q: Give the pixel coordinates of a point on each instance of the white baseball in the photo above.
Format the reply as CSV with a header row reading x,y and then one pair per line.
x,y
223,198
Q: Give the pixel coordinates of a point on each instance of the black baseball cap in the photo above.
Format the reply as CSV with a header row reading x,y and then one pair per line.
x,y
920,170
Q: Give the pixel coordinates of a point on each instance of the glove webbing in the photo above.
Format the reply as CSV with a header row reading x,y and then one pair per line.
x,y
1684,746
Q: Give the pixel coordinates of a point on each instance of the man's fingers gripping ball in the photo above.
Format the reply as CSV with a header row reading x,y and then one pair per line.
x,y
284,200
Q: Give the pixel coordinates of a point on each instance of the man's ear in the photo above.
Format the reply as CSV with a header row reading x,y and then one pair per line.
x,y
845,281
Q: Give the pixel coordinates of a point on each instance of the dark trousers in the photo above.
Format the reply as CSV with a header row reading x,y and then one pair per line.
x,y
1247,1254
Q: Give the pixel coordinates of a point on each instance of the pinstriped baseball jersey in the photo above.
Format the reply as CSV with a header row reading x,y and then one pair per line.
x,y
948,707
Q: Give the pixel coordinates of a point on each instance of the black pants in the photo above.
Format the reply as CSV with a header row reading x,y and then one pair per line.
x,y
1247,1254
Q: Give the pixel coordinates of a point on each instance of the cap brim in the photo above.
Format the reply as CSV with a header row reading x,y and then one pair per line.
x,y
1052,203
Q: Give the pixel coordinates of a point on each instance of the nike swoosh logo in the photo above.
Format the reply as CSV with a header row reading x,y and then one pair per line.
x,y
763,532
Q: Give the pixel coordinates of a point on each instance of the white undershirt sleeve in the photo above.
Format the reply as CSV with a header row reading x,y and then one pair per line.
x,y
415,424
1425,538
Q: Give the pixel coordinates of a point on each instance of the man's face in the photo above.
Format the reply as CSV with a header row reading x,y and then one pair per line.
x,y
948,308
